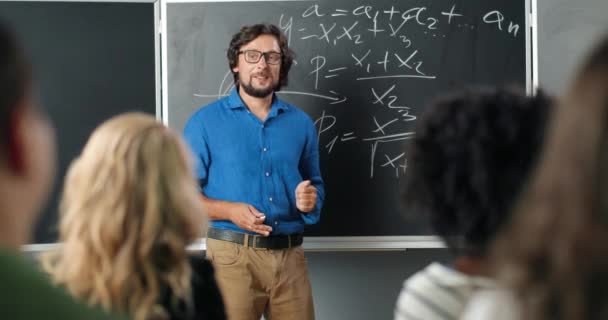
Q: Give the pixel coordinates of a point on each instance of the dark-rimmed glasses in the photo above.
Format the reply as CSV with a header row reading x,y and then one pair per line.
x,y
253,56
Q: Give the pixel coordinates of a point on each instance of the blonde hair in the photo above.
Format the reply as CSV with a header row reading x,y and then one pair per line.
x,y
130,207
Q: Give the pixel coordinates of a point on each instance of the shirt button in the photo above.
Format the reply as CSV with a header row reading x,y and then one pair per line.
x,y
276,223
262,126
267,174
270,199
265,149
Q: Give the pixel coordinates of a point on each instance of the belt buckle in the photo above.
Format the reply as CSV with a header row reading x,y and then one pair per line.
x,y
254,242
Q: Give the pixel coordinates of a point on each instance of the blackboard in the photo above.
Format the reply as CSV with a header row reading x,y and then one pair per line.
x,y
91,61
363,72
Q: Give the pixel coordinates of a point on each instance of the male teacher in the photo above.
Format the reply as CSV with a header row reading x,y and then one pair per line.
x,y
258,169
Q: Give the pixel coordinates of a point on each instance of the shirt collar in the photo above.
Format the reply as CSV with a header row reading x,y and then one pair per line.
x,y
235,102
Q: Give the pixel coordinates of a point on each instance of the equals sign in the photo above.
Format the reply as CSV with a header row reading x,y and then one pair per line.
x,y
340,12
333,70
347,136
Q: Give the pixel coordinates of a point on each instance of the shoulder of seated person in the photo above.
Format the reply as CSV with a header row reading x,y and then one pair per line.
x,y
201,267
200,262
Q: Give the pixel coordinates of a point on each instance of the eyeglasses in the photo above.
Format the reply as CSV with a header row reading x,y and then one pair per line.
x,y
253,56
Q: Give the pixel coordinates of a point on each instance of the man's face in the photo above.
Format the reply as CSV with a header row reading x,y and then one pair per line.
x,y
259,79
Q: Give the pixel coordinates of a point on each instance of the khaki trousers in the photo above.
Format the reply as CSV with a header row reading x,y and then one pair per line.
x,y
256,282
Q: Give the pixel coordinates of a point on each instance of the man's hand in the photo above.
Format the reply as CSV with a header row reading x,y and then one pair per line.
x,y
248,218
306,196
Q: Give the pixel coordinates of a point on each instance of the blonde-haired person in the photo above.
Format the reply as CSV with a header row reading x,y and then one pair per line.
x,y
130,207
554,256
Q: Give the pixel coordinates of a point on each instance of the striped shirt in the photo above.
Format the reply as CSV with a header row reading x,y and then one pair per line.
x,y
438,292
493,304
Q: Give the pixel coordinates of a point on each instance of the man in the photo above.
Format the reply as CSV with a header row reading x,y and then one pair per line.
x,y
27,163
471,156
258,167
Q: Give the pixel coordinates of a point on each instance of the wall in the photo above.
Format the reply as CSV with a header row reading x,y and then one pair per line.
x,y
566,31
363,285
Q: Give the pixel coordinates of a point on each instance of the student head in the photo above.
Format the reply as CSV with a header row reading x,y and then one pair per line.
x,y
555,252
130,207
27,146
471,155
258,75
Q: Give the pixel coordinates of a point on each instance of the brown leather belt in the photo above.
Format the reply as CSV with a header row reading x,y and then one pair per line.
x,y
256,241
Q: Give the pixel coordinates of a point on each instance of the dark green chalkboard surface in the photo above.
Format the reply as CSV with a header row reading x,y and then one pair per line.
x,y
91,61
364,72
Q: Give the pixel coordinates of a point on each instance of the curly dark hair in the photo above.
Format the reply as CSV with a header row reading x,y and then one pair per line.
x,y
470,157
248,34
14,79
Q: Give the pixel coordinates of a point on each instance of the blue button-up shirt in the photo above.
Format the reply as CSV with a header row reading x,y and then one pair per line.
x,y
240,158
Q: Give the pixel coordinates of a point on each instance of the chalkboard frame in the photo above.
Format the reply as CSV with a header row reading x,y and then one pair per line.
x,y
358,243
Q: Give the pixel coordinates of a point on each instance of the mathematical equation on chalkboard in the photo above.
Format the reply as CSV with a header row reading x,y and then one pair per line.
x,y
355,36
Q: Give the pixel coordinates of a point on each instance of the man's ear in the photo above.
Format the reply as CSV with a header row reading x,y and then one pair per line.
x,y
16,141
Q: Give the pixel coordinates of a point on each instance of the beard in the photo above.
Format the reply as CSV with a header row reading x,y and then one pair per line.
x,y
259,92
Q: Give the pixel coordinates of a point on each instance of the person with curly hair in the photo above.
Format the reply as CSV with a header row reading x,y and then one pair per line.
x,y
471,155
129,209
